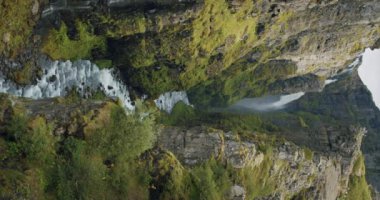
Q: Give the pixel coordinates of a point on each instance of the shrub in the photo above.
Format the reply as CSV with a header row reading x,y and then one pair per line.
x,y
211,181
103,63
153,81
39,142
181,114
59,46
79,172
118,136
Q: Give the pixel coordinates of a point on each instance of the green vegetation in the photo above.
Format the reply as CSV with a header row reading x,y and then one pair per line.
x,y
102,161
123,25
28,152
199,49
240,80
58,45
263,182
216,54
101,164
302,122
23,76
212,29
210,180
181,114
206,50
106,158
114,133
104,63
209,51
308,154
358,187
184,115
153,81
16,25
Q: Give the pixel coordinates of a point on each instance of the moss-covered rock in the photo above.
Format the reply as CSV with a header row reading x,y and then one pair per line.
x,y
58,45
17,25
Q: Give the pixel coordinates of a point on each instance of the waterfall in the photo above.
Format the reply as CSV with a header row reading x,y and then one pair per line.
x,y
168,100
59,77
265,103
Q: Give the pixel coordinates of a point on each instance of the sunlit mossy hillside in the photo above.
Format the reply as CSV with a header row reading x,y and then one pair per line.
x,y
169,49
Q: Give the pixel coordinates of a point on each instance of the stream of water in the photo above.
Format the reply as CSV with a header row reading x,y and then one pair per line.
x,y
59,77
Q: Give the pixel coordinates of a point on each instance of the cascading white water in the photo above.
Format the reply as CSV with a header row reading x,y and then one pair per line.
x,y
168,100
264,104
59,77
329,81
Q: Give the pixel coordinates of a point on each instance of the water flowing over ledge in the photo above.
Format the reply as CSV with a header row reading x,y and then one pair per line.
x,y
330,81
59,77
278,102
264,104
168,100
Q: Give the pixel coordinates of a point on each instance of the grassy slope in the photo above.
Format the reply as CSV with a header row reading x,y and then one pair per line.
x,y
358,186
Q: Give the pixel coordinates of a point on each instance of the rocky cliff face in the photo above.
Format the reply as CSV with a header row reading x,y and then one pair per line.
x,y
215,47
293,170
347,102
273,168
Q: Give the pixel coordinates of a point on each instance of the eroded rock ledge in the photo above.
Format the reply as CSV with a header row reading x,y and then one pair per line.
x,y
293,169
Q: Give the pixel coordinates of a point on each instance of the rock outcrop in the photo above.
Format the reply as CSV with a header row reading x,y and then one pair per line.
x,y
294,169
348,102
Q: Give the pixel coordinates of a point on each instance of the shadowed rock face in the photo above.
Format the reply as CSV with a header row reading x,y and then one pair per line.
x,y
342,104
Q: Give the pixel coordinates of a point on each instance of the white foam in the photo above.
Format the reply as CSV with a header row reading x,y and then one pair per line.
x,y
168,100
59,77
329,81
267,103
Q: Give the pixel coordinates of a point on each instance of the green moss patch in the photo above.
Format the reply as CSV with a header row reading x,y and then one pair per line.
x,y
16,25
358,187
58,45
